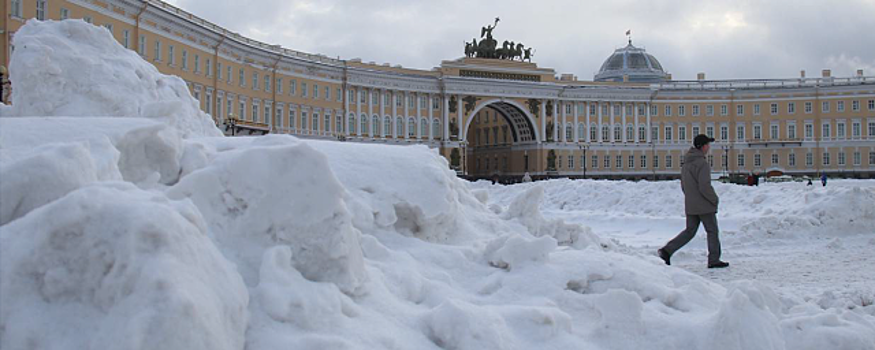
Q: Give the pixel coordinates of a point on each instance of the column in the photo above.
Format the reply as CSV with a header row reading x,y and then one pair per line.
x,y
344,123
623,135
430,124
463,131
382,113
555,121
358,112
394,122
371,112
637,122
418,105
613,121
446,117
543,130
564,122
406,120
586,131
576,128
600,112
648,132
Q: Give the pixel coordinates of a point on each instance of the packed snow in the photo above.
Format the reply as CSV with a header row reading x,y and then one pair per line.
x,y
128,224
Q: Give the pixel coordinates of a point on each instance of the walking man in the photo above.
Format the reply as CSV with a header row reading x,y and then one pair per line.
x,y
700,203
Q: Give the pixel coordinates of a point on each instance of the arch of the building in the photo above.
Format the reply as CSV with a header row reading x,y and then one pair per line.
x,y
522,124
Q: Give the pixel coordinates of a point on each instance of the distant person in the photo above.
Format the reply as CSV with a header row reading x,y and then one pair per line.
x,y
700,204
750,179
809,182
527,178
756,180
823,179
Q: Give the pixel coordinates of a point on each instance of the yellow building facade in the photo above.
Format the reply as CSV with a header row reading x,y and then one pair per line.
x,y
495,117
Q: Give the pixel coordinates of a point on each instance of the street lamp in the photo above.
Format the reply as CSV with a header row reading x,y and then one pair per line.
x,y
231,122
583,148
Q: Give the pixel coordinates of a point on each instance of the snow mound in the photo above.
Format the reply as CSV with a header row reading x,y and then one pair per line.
x,y
526,209
113,267
72,68
276,190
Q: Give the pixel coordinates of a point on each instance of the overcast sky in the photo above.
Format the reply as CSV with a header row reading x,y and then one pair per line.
x,y
725,39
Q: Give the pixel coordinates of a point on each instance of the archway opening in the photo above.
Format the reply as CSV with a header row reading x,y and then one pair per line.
x,y
497,135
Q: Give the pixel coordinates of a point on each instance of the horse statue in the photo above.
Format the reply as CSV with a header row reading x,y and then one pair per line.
x,y
528,54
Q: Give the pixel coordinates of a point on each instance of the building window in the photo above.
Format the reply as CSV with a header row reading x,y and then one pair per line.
x,y
87,19
756,109
654,110
108,27
724,132
605,133
254,80
774,109
197,64
570,162
809,159
696,131
668,133
304,120
695,110
241,113
315,125
595,162
266,83
255,112
65,13
709,131
127,38
739,110
791,159
327,93
209,67
856,130
40,10
841,158
411,126
741,160
339,94
304,89
709,110
857,159
644,161
774,159
631,162
241,76
293,87
825,158
682,110
840,106
840,130
619,162
739,132
682,133
757,160
171,55
267,114
855,105
219,71
668,163
228,73
773,131
157,51
315,91
871,158
809,131
757,132
871,130
808,107
724,110
791,131
824,106
791,108
668,111
399,127
279,85
184,60
617,133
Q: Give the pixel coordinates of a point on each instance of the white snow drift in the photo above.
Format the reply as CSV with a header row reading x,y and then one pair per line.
x,y
149,233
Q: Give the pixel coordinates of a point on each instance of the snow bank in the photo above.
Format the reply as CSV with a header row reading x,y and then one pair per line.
x,y
114,267
72,68
277,191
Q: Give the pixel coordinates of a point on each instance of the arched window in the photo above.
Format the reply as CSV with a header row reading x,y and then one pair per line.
x,y
339,125
593,133
327,123
436,128
630,133
351,127
605,133
411,127
617,132
568,132
581,131
423,128
642,133
304,120
375,125
315,122
363,123
399,127
387,126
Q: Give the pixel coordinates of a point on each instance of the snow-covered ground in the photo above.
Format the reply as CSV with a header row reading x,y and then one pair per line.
x,y
126,223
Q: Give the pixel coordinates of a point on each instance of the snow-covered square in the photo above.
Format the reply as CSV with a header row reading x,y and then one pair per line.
x,y
127,221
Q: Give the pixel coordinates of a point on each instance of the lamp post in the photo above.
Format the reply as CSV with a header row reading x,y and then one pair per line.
x,y
582,147
3,83
231,122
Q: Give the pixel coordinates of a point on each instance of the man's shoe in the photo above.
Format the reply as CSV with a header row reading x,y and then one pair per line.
x,y
665,256
718,265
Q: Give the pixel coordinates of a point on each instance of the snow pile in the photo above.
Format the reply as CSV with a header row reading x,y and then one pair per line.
x,y
112,266
129,233
70,68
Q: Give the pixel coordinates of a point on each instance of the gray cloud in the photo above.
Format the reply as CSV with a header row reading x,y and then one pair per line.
x,y
725,39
